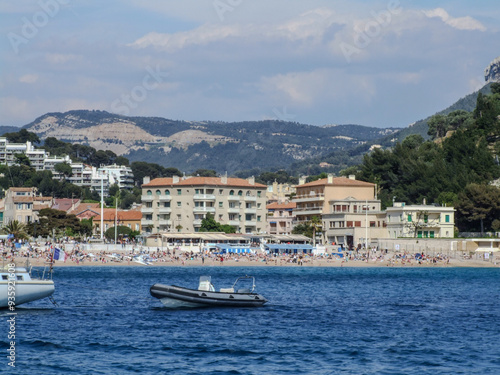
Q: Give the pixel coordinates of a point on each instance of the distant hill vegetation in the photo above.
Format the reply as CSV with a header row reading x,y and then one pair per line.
x,y
219,146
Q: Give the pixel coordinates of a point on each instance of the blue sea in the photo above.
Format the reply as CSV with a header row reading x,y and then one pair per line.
x,y
318,321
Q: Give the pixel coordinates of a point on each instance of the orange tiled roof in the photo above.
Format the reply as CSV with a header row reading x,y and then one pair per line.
x,y
203,181
337,181
283,206
84,207
110,214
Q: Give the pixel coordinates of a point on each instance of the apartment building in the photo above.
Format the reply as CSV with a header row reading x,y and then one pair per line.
x,y
280,218
180,204
352,222
119,175
23,204
313,198
420,221
279,193
9,150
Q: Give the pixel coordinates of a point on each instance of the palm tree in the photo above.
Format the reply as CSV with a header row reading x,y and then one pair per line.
x,y
17,229
316,225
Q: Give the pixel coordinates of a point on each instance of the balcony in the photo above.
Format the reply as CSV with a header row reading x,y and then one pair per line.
x,y
147,210
146,198
197,223
234,223
250,198
165,198
204,197
233,210
164,222
250,223
164,210
309,198
234,198
145,222
204,209
250,210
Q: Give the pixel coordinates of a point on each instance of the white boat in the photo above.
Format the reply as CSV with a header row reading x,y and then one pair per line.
x,y
175,296
17,286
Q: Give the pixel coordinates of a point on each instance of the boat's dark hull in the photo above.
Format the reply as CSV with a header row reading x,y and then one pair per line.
x,y
175,296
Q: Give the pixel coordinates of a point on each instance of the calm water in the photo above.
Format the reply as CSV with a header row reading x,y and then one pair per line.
x,y
318,321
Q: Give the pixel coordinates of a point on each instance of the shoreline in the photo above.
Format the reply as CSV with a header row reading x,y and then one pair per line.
x,y
316,263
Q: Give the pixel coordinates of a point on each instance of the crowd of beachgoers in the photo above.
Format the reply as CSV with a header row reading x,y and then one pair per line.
x,y
79,255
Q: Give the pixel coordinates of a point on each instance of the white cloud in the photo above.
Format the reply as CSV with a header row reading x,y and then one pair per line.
x,y
29,78
460,23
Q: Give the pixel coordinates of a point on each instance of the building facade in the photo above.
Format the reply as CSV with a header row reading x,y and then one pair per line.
x,y
280,218
420,221
177,204
23,204
352,222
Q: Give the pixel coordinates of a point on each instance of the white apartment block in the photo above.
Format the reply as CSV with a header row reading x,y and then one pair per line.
x,y
420,221
180,204
119,175
9,150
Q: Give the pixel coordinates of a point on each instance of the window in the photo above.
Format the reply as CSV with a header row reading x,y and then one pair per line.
x,y
409,218
220,205
447,218
149,204
240,193
179,191
258,193
231,192
178,204
19,206
221,191
167,192
431,234
158,192
166,204
426,218
149,192
258,218
419,234
197,191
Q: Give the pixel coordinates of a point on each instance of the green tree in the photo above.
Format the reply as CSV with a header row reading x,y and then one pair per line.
x,y
22,159
438,125
17,229
22,136
64,168
479,203
317,226
121,230
205,173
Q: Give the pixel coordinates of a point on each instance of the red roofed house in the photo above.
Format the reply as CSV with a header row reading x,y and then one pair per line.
x,y
23,204
180,204
130,218
280,217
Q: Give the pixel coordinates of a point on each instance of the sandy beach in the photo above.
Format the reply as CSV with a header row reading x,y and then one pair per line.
x,y
388,261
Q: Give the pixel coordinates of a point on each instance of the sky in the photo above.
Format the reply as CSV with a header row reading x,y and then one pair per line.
x,y
318,62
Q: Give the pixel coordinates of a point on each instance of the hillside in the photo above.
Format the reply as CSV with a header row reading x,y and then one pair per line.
x,y
336,160
189,146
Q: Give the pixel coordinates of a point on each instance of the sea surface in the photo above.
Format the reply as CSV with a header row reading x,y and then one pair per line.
x,y
318,321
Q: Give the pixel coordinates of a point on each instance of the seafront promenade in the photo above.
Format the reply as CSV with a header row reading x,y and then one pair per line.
x,y
80,255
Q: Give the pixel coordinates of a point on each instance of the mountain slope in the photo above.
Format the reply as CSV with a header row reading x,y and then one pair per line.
x,y
212,145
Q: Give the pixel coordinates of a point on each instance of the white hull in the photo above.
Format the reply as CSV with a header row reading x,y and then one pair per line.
x,y
26,291
176,304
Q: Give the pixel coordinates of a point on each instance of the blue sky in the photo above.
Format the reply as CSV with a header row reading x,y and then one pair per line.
x,y
375,63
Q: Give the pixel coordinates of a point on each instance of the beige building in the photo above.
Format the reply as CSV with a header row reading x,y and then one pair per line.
x,y
22,204
353,222
279,192
280,217
313,198
346,207
420,221
177,204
